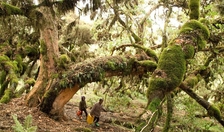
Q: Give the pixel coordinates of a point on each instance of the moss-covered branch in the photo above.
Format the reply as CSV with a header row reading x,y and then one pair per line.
x,y
194,9
96,70
148,51
212,110
172,62
7,10
169,113
136,37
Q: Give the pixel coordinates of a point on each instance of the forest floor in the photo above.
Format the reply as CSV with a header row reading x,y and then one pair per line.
x,y
113,121
73,124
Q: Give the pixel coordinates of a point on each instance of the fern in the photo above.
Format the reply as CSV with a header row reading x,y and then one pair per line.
x,y
26,127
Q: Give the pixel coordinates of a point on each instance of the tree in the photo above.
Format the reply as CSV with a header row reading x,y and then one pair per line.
x,y
57,82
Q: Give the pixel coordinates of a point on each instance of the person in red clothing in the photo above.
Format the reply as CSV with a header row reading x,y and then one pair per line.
x,y
96,110
82,107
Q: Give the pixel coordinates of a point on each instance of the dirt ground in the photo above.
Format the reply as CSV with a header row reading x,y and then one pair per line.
x,y
46,124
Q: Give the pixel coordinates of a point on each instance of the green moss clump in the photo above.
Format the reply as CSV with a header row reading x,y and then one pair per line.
x,y
188,51
63,60
194,27
154,104
214,111
43,47
111,65
147,63
157,82
194,9
30,81
172,62
7,96
4,58
151,53
2,76
191,81
168,75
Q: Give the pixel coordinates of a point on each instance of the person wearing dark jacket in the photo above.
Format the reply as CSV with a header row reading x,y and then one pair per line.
x,y
96,110
82,106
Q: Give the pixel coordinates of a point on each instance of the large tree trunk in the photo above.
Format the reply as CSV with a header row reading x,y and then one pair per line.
x,y
49,53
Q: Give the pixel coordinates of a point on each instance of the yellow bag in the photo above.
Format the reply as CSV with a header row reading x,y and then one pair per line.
x,y
90,119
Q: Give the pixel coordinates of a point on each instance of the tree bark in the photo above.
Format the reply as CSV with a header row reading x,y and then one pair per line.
x,y
49,53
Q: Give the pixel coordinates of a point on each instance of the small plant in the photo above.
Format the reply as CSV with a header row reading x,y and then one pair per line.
x,y
26,127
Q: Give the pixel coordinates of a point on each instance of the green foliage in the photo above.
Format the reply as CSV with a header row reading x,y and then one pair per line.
x,y
118,99
32,50
4,58
26,127
188,115
43,47
30,81
2,76
194,9
7,96
63,60
111,65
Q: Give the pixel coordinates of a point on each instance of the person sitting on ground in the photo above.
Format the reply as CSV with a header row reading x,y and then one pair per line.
x,y
96,110
82,107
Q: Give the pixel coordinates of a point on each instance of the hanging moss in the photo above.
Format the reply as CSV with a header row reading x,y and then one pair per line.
x,y
194,9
